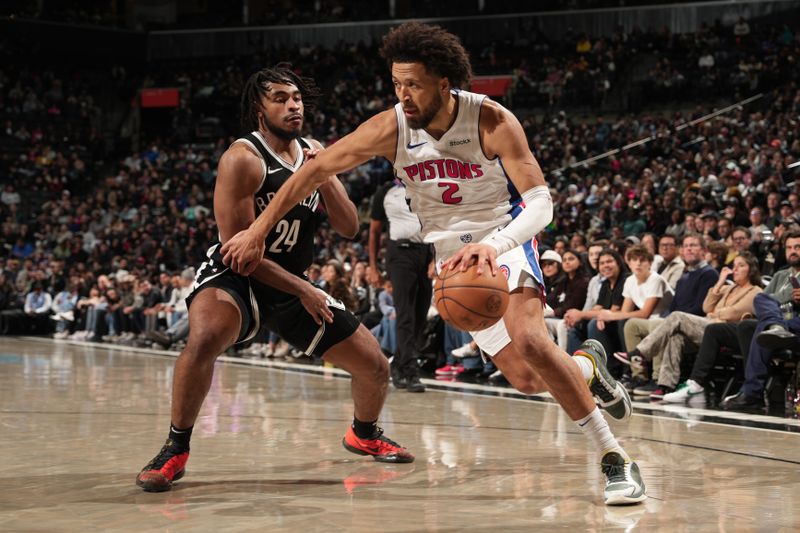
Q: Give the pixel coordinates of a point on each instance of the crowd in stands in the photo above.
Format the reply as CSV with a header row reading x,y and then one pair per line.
x,y
638,245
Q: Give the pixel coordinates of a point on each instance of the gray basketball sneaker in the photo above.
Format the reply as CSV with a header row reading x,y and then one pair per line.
x,y
624,484
609,394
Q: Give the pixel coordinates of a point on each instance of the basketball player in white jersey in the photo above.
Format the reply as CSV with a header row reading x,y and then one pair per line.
x,y
479,193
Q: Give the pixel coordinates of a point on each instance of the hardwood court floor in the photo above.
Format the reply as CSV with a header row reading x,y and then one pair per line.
x,y
77,422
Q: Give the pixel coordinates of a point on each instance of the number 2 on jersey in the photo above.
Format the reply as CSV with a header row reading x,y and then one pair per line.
x,y
287,236
449,195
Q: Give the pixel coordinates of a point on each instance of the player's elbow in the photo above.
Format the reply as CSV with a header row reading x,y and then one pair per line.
x,y
349,229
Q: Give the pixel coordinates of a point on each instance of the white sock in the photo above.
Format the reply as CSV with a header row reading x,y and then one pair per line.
x,y
586,366
596,428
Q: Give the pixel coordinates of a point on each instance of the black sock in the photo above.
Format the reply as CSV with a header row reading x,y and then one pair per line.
x,y
180,437
634,353
364,430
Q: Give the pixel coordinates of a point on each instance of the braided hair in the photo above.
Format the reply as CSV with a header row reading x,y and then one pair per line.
x,y
258,85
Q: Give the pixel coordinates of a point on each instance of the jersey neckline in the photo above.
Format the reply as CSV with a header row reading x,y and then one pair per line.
x,y
278,158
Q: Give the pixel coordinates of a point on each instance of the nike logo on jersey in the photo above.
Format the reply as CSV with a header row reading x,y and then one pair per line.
x,y
273,170
443,168
410,146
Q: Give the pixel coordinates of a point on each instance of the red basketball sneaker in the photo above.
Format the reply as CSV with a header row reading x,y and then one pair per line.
x,y
168,466
380,448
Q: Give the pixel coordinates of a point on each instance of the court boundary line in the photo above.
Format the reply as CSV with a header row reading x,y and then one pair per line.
x,y
672,412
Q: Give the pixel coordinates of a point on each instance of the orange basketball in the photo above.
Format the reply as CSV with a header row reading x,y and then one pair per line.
x,y
468,301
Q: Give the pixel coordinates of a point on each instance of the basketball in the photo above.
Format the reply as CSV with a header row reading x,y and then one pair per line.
x,y
468,301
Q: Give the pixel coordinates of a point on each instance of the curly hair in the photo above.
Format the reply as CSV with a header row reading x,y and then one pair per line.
x,y
258,85
437,49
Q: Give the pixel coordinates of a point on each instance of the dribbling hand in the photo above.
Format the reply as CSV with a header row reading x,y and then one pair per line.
x,y
484,254
243,252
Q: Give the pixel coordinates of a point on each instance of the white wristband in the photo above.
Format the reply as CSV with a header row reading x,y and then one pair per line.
x,y
536,215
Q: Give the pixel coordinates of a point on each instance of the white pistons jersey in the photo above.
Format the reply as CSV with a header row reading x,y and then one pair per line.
x,y
458,193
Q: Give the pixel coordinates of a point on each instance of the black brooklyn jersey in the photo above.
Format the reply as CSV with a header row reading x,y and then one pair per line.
x,y
291,241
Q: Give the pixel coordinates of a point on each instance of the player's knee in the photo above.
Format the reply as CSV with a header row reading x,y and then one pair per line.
x,y
525,382
538,348
381,369
207,345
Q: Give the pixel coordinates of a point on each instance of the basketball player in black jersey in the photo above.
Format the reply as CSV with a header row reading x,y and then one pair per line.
x,y
225,308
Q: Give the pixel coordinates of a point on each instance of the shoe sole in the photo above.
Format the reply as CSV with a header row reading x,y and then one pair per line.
x,y
621,499
147,487
776,342
379,458
621,359
685,399
626,401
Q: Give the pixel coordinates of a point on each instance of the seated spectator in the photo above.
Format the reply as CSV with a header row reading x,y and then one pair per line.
x,y
646,295
757,226
359,286
38,301
698,277
457,345
716,255
683,332
668,264
550,261
612,268
63,306
182,287
176,332
38,304
781,298
386,332
337,286
569,292
10,303
88,307
373,316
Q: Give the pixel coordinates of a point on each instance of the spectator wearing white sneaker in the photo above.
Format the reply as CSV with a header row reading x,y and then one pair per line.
x,y
725,303
697,278
63,306
87,307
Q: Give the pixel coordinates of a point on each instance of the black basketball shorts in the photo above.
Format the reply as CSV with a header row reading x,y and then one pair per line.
x,y
288,319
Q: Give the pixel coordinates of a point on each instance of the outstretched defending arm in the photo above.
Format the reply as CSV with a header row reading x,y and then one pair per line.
x,y
342,212
375,137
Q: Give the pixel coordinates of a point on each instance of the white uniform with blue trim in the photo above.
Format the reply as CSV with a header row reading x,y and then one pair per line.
x,y
461,196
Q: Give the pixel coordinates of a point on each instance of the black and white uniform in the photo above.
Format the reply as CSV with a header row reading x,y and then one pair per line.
x,y
291,245
407,260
